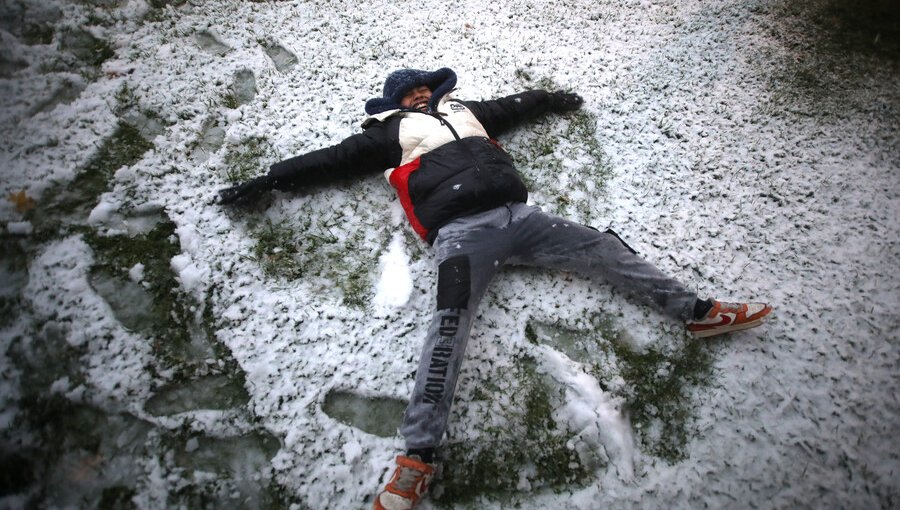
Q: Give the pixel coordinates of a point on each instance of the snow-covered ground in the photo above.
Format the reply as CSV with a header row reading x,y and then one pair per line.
x,y
158,350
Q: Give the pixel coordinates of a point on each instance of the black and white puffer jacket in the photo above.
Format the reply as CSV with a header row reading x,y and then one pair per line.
x,y
444,164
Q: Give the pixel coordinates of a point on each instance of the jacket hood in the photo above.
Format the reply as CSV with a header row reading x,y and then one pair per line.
x,y
399,82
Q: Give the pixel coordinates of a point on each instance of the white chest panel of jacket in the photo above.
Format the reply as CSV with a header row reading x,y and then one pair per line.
x,y
421,133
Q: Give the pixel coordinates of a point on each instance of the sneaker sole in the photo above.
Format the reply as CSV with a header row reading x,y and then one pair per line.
x,y
726,329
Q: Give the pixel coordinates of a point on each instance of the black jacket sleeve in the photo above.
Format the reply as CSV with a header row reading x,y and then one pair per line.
x,y
367,152
500,115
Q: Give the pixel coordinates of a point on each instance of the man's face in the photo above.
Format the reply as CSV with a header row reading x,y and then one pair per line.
x,y
417,98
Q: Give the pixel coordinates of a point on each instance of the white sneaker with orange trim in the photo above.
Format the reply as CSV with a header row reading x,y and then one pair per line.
x,y
408,485
727,317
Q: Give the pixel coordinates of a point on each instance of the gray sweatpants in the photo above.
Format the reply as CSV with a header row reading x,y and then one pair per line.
x,y
469,253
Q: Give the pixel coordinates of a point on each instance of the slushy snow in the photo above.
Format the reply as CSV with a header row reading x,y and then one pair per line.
x,y
743,162
395,283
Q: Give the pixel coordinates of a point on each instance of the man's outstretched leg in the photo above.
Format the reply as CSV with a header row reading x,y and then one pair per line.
x,y
469,253
548,241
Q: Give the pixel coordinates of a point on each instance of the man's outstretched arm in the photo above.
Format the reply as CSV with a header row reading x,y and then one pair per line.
x,y
360,154
500,115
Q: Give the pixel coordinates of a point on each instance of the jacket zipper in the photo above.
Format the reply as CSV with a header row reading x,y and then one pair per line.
x,y
437,115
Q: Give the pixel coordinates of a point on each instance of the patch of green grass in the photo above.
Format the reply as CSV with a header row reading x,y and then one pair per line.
x,y
525,77
85,47
229,100
14,269
529,445
657,381
831,49
17,472
126,99
867,27
174,337
562,158
119,496
247,160
339,261
71,202
295,250
115,255
101,51
37,33
356,287
159,9
276,251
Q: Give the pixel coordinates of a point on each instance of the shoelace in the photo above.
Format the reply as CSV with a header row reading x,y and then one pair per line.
x,y
408,478
730,307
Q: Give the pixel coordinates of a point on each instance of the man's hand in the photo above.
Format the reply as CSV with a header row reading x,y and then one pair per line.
x,y
565,101
246,193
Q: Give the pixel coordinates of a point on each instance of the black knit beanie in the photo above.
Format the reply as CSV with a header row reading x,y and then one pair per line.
x,y
399,82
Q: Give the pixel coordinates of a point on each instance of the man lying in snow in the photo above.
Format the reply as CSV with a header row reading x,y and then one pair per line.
x,y
463,195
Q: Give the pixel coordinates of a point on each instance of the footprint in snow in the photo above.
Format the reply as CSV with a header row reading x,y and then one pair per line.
x,y
67,92
283,59
379,416
212,137
217,392
211,44
243,87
